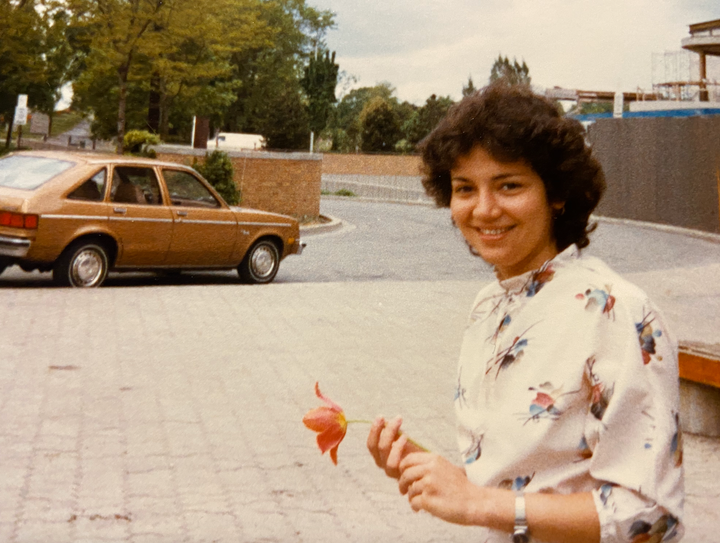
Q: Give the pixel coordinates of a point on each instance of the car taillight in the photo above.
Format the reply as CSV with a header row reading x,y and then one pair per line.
x,y
18,220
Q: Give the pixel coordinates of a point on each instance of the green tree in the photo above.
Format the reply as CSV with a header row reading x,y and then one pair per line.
x,y
379,126
179,49
271,75
427,117
470,88
344,123
510,73
319,81
118,34
25,29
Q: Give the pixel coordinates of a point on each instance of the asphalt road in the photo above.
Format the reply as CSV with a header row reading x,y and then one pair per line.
x,y
397,242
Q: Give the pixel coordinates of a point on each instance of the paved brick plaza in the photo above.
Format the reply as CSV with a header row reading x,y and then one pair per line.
x,y
172,414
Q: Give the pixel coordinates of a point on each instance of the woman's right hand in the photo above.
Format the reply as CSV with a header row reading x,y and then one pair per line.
x,y
388,446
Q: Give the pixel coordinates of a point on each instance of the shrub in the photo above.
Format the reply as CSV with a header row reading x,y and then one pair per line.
x,y
345,192
218,170
136,143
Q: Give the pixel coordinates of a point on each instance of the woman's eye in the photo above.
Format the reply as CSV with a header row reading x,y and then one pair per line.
x,y
460,189
510,186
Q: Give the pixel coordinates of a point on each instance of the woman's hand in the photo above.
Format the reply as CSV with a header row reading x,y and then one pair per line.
x,y
439,487
388,446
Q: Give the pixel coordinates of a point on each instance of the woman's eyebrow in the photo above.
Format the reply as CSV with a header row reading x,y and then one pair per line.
x,y
505,175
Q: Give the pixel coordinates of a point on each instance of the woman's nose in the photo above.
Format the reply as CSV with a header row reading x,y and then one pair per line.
x,y
486,205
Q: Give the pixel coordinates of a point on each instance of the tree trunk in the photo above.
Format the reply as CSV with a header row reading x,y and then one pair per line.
x,y
154,104
122,104
164,115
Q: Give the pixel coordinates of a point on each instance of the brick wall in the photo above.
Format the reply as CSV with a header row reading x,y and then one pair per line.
x,y
287,183
376,165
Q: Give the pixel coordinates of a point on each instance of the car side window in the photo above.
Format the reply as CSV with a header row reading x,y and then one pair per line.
x,y
186,190
135,185
92,190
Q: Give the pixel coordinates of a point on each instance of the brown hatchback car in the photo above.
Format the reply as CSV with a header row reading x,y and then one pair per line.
x,y
81,215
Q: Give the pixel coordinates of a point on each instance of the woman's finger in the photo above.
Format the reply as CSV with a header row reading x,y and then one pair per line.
x,y
387,437
396,455
410,476
374,439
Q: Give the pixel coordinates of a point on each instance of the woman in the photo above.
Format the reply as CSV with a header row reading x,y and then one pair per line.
x,y
567,389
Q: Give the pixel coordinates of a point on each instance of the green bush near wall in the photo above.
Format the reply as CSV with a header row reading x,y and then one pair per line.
x,y
218,170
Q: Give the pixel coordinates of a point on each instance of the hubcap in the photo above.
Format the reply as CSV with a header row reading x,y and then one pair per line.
x,y
87,268
263,261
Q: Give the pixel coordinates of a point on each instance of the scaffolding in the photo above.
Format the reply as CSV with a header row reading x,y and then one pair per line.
x,y
676,76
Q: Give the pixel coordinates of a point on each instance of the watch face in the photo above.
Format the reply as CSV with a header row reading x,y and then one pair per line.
x,y
521,536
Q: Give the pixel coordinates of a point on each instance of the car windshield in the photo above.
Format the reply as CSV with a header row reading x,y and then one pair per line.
x,y
29,172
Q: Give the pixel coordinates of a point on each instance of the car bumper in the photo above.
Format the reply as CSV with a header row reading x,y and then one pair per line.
x,y
298,247
12,246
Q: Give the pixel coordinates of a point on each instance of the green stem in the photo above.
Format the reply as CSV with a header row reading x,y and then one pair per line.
x,y
410,440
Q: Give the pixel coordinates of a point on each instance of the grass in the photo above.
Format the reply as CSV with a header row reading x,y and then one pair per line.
x,y
64,121
345,192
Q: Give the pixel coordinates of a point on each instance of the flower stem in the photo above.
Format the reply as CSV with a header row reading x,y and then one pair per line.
x,y
410,440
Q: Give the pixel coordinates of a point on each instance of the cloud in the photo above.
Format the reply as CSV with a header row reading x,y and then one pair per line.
x,y
424,47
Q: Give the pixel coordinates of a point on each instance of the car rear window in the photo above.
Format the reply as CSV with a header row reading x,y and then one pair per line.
x,y
29,172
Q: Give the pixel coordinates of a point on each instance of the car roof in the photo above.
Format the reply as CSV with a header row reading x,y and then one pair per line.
x,y
100,158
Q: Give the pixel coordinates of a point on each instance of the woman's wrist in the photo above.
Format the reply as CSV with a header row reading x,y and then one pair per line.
x,y
493,508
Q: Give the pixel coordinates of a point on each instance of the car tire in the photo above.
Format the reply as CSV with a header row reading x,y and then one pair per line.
x,y
261,263
83,264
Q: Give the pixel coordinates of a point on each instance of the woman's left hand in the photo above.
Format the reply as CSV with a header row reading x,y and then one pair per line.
x,y
439,487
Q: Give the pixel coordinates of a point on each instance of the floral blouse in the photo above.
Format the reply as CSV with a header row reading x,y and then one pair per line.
x,y
568,382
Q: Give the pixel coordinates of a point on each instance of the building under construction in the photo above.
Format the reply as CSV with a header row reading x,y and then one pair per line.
x,y
684,82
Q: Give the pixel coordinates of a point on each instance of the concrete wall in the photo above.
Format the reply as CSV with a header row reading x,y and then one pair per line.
x,y
287,183
662,170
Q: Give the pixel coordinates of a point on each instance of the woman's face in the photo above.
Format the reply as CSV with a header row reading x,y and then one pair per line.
x,y
503,212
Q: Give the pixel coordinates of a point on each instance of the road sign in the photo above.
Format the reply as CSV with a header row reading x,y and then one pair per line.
x,y
22,100
21,114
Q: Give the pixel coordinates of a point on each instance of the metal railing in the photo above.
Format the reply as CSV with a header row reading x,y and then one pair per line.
x,y
401,188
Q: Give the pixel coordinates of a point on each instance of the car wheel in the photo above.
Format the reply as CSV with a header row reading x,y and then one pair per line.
x,y
261,263
84,264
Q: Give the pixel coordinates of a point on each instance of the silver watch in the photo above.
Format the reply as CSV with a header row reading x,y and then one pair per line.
x,y
520,530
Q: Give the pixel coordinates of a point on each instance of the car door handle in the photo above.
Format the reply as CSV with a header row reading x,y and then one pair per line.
x,y
182,213
120,210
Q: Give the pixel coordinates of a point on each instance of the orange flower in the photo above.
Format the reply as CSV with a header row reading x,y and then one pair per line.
x,y
329,421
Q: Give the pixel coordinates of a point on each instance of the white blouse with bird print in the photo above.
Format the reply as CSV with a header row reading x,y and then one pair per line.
x,y
568,382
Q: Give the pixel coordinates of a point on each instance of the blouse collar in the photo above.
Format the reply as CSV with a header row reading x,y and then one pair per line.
x,y
533,280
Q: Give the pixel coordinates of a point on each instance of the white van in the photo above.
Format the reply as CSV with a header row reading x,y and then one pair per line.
x,y
232,141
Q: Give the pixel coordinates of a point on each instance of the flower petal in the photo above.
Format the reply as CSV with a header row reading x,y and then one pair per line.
x,y
332,405
333,454
330,438
320,418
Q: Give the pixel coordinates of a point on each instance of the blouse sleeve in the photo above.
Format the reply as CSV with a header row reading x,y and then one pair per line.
x,y
632,426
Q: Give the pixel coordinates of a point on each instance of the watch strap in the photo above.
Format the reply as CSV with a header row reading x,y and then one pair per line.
x,y
520,529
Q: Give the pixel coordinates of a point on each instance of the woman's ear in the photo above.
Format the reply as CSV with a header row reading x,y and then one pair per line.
x,y
558,208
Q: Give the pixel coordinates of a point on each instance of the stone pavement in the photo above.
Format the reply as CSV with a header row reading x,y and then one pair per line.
x,y
173,414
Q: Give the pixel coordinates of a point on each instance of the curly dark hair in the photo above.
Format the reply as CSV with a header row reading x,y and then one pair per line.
x,y
512,123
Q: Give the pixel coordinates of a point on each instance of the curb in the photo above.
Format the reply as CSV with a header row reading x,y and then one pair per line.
x,y
670,229
313,229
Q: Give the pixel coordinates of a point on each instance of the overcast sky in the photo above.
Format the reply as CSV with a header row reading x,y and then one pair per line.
x,y
431,46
